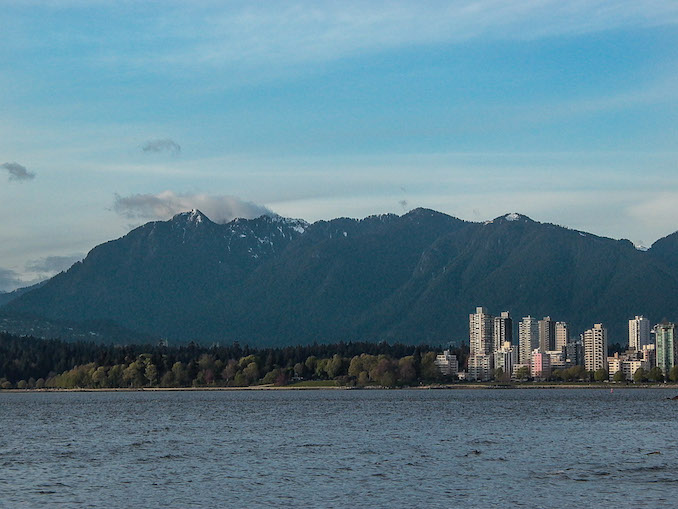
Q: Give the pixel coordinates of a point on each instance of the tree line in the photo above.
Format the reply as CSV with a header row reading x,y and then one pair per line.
x,y
27,362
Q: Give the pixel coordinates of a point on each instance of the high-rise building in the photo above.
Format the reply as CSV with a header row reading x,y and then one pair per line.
x,y
562,335
595,348
481,328
665,335
503,330
639,333
547,334
574,352
528,338
649,354
505,357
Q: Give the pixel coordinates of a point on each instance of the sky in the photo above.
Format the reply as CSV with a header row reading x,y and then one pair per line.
x,y
113,114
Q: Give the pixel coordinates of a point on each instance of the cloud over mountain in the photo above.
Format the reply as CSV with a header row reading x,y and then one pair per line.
x,y
219,208
52,264
9,280
17,171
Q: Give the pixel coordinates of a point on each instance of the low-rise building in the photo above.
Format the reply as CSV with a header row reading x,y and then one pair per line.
x,y
540,366
480,367
447,363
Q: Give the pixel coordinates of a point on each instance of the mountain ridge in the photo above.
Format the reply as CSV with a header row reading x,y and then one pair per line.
x,y
408,278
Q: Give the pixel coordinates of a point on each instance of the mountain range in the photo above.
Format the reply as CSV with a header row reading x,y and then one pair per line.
x,y
410,278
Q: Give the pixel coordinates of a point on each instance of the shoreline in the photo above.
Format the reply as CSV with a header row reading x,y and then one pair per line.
x,y
347,388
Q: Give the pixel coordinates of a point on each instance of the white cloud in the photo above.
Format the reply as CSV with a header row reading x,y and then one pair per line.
x,y
219,208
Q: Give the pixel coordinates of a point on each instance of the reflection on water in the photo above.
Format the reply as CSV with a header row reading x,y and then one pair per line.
x,y
529,448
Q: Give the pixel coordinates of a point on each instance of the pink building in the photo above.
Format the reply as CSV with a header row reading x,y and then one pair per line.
x,y
541,365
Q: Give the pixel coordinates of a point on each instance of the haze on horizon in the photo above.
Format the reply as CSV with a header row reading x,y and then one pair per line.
x,y
114,115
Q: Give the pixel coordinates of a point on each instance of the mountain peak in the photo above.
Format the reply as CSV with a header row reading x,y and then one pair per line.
x,y
193,216
511,217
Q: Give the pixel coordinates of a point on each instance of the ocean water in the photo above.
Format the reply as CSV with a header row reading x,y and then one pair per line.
x,y
379,448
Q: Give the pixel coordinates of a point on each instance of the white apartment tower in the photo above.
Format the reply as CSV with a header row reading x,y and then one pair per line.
x,y
639,333
528,338
503,330
595,348
562,335
481,327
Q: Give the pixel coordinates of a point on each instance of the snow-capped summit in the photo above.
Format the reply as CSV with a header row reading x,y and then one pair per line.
x,y
193,216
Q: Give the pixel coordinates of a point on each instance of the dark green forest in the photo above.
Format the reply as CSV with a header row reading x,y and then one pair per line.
x,y
27,362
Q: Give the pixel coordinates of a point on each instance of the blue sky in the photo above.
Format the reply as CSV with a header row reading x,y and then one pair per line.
x,y
113,114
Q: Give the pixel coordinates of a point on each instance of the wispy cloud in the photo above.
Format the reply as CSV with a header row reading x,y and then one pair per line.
x,y
313,31
161,145
18,172
50,265
219,208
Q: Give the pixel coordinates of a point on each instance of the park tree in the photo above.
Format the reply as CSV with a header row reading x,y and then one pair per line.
x,y
251,373
99,377
640,375
656,374
229,371
429,370
406,370
355,366
619,376
299,369
601,375
151,374
335,366
673,374
523,373
167,379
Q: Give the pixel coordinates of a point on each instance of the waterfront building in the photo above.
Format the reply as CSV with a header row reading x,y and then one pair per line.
x,y
649,355
480,367
628,363
481,329
557,359
665,335
574,352
562,335
547,334
447,363
506,357
595,348
528,338
639,333
503,330
540,366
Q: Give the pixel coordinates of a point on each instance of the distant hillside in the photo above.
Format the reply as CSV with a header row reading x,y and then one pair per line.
x,y
411,278
6,297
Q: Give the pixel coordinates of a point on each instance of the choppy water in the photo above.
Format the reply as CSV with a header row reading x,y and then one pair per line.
x,y
398,448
